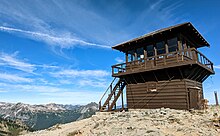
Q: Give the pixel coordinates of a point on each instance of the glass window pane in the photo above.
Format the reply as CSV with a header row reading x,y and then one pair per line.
x,y
150,50
172,44
140,53
160,46
130,55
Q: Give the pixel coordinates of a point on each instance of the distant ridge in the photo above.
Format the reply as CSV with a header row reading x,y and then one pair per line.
x,y
38,117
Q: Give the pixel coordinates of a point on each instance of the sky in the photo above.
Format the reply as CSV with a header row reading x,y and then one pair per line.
x,y
56,51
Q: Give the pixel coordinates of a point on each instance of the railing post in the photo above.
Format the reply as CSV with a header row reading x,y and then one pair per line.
x,y
194,55
145,63
216,98
212,66
182,56
99,105
164,59
177,54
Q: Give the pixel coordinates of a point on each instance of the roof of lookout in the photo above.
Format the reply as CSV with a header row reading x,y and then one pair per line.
x,y
186,29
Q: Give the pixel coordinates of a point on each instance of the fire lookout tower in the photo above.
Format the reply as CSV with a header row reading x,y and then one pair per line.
x,y
162,69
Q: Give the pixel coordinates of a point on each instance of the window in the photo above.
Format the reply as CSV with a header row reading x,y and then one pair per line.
x,y
160,46
140,53
172,44
152,87
131,55
183,43
150,50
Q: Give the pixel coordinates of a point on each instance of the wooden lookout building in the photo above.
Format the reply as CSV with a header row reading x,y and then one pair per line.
x,y
162,69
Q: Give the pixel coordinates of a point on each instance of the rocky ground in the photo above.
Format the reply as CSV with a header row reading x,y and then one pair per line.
x,y
149,122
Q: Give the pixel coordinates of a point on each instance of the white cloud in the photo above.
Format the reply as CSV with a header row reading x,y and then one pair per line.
x,y
217,67
32,88
77,97
93,83
40,88
64,41
82,78
62,81
119,60
10,60
3,91
14,78
81,73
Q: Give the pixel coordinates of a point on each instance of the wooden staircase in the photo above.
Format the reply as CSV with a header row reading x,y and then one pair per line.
x,y
111,96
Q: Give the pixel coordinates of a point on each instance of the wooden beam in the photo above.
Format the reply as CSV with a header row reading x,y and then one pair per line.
x,y
122,100
216,98
166,47
135,55
179,43
155,51
126,57
155,77
145,58
145,54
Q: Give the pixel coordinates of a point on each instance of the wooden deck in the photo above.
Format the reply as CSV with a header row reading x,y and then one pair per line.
x,y
184,57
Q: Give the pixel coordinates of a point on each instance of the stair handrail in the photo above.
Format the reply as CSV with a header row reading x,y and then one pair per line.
x,y
106,92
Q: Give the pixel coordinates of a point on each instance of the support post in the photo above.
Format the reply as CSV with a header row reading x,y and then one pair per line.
x,y
135,55
122,101
166,47
100,106
145,58
179,44
216,98
155,51
126,57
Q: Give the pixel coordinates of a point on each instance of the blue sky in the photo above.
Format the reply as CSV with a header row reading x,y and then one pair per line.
x,y
59,51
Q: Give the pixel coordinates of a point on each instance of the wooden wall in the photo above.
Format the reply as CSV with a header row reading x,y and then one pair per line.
x,y
171,94
195,94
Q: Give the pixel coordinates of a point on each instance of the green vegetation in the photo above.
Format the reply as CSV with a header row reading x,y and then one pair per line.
x,y
12,128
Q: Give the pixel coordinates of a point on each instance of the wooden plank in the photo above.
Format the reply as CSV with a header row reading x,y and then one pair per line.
x,y
183,107
158,95
158,101
130,105
168,86
145,91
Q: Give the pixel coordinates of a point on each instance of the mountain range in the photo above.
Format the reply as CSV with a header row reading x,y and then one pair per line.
x,y
37,117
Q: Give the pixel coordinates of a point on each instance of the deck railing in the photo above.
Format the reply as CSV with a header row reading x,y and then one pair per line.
x,y
186,56
107,92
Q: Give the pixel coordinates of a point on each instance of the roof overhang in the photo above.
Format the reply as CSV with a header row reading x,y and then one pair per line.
x,y
187,29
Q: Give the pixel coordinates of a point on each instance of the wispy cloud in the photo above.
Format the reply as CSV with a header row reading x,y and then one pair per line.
x,y
92,83
32,88
119,60
78,96
82,24
40,88
11,61
80,73
82,78
14,78
64,41
217,66
3,91
37,73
